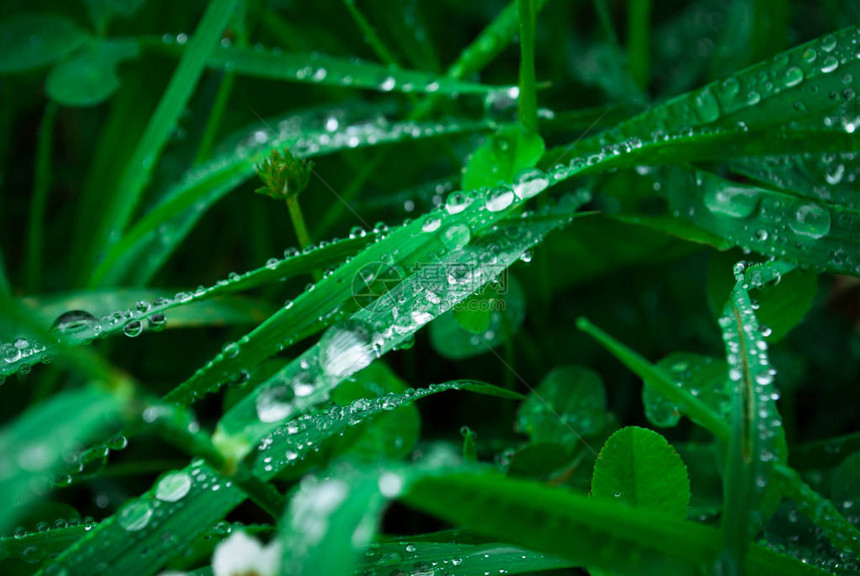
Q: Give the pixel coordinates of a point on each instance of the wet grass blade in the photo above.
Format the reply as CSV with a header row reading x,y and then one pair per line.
x,y
34,445
186,503
325,70
162,229
119,206
584,530
465,559
757,440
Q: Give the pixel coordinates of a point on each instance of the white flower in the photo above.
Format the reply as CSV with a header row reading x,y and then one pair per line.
x,y
241,555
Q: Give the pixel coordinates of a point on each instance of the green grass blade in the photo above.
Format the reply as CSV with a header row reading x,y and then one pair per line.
x,y
370,332
121,204
463,559
584,530
315,68
185,503
757,440
213,180
527,103
39,202
33,446
697,410
841,532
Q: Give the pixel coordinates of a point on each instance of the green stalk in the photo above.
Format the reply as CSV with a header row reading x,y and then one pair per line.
x,y
639,41
39,202
5,287
528,85
120,206
298,220
216,115
697,410
370,35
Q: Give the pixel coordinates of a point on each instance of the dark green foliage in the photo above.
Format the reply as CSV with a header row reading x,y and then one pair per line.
x,y
613,216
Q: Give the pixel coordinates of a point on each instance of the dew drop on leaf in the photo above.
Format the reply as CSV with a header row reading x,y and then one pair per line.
x,y
706,105
348,347
499,199
132,328
135,515
275,403
732,201
810,219
74,321
173,486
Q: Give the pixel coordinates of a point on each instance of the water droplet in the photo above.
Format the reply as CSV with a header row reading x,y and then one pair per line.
x,y
529,183
793,76
457,202
829,64
173,486
133,328
753,98
135,515
810,220
387,85
732,201
706,106
74,321
274,403
431,224
157,322
499,199
348,347
230,350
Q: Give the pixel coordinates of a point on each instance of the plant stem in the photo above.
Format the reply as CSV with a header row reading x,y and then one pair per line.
x,y
370,35
298,220
5,287
528,85
228,78
39,201
639,41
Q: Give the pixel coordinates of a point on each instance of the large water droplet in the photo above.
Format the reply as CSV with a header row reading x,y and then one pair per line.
x,y
133,328
74,321
275,403
811,220
732,201
348,347
457,202
173,486
135,515
529,183
706,106
793,76
499,198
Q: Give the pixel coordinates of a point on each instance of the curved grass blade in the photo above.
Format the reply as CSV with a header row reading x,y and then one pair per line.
x,y
186,503
315,68
463,559
757,440
33,446
119,207
584,530
375,329
159,232
838,529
